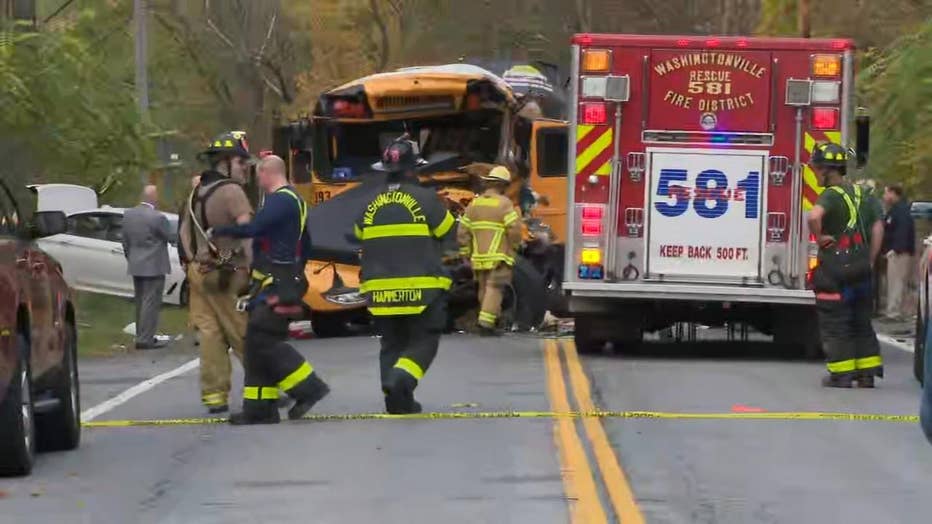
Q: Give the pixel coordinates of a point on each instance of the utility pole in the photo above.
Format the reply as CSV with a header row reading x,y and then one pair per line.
x,y
802,13
140,18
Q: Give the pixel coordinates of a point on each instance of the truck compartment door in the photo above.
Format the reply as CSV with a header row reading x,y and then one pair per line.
x,y
705,215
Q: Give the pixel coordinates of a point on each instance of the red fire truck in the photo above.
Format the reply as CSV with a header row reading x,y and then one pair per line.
x,y
691,181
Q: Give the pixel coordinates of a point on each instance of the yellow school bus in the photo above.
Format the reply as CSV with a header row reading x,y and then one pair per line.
x,y
464,119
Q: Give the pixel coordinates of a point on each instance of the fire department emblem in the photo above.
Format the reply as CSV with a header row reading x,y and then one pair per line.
x,y
708,121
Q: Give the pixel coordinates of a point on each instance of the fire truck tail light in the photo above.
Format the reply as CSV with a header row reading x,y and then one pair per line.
x,y
826,66
596,60
593,87
715,42
593,113
592,213
682,42
826,92
824,118
813,263
592,228
591,255
742,43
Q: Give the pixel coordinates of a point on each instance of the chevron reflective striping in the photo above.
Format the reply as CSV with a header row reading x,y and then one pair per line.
x,y
593,150
811,189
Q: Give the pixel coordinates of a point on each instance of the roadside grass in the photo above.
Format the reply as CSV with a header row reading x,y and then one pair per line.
x,y
101,319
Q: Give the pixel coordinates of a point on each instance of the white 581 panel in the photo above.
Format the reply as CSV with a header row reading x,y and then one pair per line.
x,y
705,213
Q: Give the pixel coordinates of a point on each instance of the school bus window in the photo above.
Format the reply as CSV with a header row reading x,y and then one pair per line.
x,y
551,152
301,167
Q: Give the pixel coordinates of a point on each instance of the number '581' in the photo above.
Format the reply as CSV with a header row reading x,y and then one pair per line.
x,y
711,196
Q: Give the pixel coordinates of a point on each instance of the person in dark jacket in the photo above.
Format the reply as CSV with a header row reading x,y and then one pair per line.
x,y
402,275
899,247
281,245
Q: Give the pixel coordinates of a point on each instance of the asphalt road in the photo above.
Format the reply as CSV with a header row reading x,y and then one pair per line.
x,y
534,466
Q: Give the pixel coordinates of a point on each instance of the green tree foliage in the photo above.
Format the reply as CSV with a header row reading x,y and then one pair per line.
x,y
778,18
897,87
67,114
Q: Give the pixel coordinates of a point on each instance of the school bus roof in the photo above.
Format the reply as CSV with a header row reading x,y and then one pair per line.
x,y
417,91
452,75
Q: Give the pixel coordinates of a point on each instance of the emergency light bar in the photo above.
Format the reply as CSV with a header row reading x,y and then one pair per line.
x,y
706,137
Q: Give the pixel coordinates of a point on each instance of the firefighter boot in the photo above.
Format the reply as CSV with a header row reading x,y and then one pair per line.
x,y
838,381
263,412
216,410
866,379
307,393
399,394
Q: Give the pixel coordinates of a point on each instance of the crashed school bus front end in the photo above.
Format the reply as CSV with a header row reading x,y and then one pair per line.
x,y
457,114
332,287
460,117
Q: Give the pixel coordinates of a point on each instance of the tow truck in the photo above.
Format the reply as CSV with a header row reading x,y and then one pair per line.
x,y
689,182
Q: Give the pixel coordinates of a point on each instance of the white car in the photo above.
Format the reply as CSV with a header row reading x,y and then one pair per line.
x,y
92,259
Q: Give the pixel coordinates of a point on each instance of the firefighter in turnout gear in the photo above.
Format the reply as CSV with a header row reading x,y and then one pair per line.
x,y
281,244
849,233
217,270
489,234
402,276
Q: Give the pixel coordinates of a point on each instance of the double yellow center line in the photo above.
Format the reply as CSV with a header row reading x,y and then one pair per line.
x,y
578,479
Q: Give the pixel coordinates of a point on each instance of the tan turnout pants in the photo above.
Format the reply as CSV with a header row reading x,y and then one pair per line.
x,y
221,327
491,287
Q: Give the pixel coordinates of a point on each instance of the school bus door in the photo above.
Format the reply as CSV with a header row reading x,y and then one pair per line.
x,y
548,174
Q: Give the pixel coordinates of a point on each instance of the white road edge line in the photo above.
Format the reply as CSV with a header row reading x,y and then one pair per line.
x,y
898,344
91,413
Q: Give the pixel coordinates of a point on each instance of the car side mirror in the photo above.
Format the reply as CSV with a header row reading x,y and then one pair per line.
x,y
863,140
49,223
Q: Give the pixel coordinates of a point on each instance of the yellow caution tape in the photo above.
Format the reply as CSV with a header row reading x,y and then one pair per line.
x,y
872,417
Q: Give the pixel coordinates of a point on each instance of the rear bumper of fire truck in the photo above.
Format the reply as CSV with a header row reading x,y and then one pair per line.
x,y
584,295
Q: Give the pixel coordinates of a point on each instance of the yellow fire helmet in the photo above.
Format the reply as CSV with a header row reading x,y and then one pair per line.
x,y
498,174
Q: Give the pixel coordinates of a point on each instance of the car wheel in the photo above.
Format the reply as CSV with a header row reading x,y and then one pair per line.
x,y
17,420
60,430
919,347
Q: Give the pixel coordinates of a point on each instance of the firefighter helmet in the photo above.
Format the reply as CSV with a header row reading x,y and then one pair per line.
x,y
399,157
231,143
829,155
498,174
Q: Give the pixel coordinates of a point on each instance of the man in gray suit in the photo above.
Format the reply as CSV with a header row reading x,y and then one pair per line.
x,y
146,232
